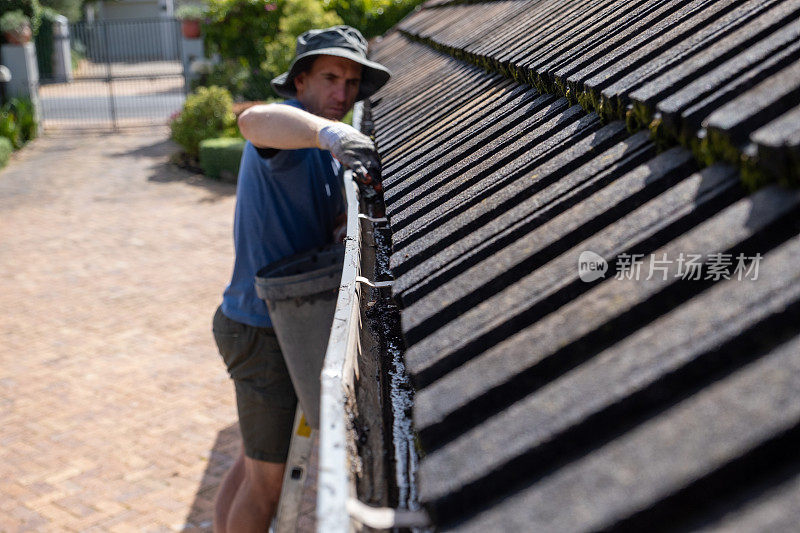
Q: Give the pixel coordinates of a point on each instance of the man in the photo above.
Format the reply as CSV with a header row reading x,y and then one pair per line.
x,y
288,200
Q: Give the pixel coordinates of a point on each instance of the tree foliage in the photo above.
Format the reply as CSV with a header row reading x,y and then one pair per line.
x,y
240,29
371,17
298,16
69,8
256,38
30,8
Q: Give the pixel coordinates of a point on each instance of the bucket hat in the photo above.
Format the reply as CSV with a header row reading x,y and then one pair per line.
x,y
340,41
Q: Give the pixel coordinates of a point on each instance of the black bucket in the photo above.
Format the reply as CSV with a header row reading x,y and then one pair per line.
x,y
300,292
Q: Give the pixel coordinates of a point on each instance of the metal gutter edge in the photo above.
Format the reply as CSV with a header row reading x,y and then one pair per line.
x,y
334,484
338,507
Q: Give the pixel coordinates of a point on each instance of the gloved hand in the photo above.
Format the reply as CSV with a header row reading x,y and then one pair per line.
x,y
354,150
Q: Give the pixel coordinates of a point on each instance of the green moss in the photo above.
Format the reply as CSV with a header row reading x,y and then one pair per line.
x,y
698,145
719,146
609,109
753,177
585,101
537,80
642,115
707,147
632,122
574,93
659,136
604,108
596,99
560,88
686,136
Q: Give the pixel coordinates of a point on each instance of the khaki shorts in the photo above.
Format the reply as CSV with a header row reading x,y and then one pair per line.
x,y
265,397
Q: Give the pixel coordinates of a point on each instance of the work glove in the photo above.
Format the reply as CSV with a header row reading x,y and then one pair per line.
x,y
354,150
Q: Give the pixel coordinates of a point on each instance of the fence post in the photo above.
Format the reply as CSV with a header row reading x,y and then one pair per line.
x,y
21,61
191,50
62,55
107,52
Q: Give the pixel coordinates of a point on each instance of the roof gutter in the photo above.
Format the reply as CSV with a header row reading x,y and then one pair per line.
x,y
335,485
338,507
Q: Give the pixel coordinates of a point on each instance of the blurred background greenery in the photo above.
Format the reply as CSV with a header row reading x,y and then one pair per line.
x,y
254,39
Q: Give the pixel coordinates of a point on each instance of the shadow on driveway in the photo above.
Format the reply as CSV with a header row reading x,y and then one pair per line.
x,y
222,456
166,172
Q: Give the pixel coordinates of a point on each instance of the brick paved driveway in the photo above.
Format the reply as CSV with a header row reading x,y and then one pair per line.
x,y
115,412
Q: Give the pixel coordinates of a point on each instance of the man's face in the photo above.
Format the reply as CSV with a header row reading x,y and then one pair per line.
x,y
329,89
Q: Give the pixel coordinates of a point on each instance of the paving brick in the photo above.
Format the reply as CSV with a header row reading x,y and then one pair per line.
x,y
115,262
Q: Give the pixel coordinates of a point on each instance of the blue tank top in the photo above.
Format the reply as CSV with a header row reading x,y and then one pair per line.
x,y
285,204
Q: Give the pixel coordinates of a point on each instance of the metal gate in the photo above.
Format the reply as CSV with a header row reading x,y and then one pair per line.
x,y
124,73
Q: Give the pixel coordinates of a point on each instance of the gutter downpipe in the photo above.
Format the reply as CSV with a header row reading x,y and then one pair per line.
x,y
338,506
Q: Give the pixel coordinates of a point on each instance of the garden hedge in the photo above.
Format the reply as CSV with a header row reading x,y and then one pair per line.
x,y
219,158
5,151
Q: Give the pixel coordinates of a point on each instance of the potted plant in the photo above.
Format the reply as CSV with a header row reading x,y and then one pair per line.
x,y
190,16
15,27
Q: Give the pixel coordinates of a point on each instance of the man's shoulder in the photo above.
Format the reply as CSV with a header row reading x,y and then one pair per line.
x,y
294,102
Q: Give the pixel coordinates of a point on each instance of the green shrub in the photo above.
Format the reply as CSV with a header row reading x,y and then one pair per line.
x,y
244,83
5,151
44,43
257,38
240,29
189,12
220,158
18,121
14,21
69,8
206,114
30,8
297,17
372,17
78,53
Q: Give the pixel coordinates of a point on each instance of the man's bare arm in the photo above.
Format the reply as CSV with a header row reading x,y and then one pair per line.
x,y
281,126
288,128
